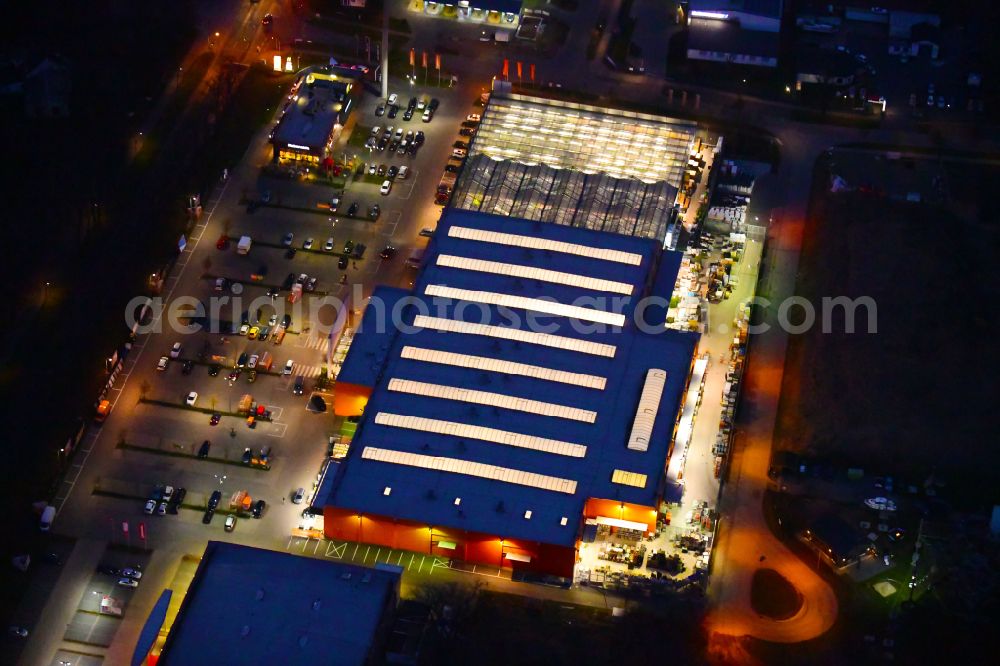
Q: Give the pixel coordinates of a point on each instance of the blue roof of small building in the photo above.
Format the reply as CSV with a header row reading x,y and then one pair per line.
x,y
254,606
497,507
508,6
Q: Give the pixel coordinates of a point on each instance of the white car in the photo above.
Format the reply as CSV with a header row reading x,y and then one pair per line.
x,y
328,245
308,244
162,509
244,329
128,582
230,523
288,367
168,492
460,153
150,507
192,398
162,365
392,99
386,187
287,240
273,319
175,351
473,117
252,363
404,172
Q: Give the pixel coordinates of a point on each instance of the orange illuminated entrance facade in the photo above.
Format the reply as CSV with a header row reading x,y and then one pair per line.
x,y
476,547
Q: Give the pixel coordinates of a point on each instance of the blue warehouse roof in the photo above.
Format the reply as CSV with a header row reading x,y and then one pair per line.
x,y
254,606
490,408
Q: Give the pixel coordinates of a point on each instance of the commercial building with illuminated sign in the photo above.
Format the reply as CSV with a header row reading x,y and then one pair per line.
x,y
508,418
577,164
741,32
315,112
499,13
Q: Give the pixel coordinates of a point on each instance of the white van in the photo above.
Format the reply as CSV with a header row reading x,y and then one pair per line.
x,y
48,515
288,367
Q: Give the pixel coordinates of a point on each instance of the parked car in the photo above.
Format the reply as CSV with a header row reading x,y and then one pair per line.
x,y
298,496
214,499
380,110
258,508
247,456
192,397
388,252
163,363
342,262
162,509
404,172
473,118
128,582
207,518
187,367
307,245
353,210
15,630
214,369
150,507
386,187
374,212
175,351
131,573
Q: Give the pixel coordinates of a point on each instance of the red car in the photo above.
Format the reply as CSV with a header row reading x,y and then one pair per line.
x,y
441,199
222,243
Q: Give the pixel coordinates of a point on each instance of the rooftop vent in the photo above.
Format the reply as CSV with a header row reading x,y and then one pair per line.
x,y
387,491
245,631
527,514
317,604
458,500
563,520
260,594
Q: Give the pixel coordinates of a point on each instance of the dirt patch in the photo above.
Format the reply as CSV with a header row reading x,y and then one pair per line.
x,y
771,595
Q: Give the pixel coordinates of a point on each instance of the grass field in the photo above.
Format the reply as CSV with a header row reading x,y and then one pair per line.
x,y
913,398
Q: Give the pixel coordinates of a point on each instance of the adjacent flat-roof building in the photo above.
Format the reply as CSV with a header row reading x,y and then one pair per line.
x,y
314,114
522,391
741,32
576,164
254,606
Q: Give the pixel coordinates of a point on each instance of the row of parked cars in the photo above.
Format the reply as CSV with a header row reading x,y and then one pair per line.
x,y
127,576
425,105
164,499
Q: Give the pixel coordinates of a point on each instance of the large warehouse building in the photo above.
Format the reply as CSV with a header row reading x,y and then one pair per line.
x,y
512,402
255,606
575,164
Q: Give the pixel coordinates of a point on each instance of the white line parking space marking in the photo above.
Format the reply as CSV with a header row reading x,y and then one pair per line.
x,y
276,413
278,430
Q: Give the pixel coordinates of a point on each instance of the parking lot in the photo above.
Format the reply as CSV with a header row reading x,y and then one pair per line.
x,y
153,435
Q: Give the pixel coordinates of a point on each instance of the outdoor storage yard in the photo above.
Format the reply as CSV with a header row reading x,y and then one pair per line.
x,y
919,406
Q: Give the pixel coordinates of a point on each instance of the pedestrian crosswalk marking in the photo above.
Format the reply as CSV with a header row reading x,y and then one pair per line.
x,y
306,370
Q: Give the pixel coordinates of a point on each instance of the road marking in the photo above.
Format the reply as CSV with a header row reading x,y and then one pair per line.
x,y
337,551
377,553
278,430
365,558
412,555
355,551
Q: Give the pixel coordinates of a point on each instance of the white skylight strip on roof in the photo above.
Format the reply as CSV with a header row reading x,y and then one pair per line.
x,y
506,367
523,303
481,433
535,243
469,468
645,413
491,399
532,273
516,334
